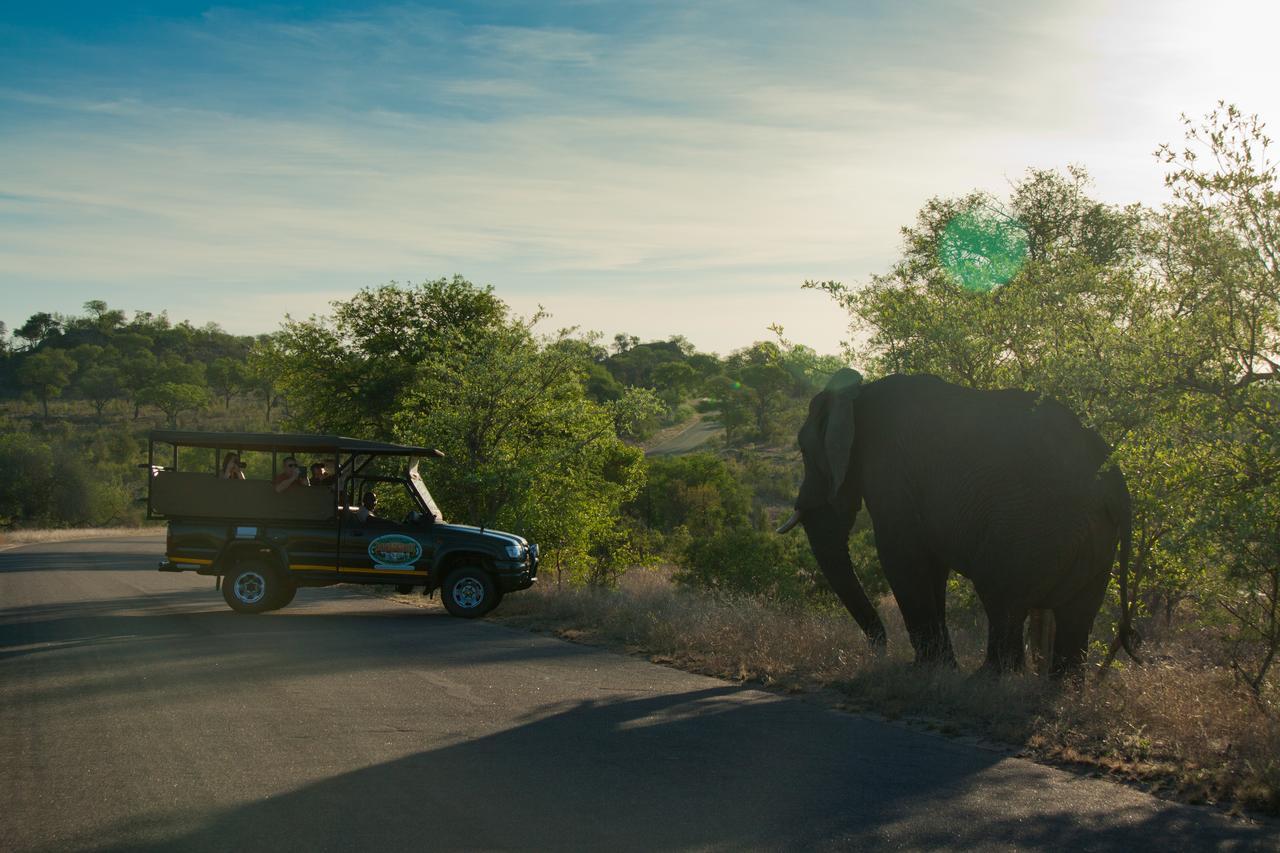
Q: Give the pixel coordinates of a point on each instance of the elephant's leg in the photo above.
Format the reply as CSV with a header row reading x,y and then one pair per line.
x,y
1005,621
919,584
1074,623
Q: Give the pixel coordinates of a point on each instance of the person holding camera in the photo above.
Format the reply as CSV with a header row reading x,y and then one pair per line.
x,y
292,475
232,466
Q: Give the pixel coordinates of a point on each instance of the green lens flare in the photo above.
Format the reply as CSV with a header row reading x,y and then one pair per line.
x,y
982,251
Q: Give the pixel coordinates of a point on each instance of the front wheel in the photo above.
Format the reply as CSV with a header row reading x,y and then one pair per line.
x,y
468,592
253,587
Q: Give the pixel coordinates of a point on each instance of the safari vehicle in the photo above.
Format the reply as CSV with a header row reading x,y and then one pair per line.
x,y
261,545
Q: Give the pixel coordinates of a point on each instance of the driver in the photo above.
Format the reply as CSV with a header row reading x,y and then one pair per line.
x,y
367,504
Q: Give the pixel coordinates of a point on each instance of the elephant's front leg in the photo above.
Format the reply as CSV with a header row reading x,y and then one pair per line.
x,y
919,584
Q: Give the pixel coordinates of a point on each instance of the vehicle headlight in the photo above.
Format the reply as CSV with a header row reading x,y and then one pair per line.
x,y
515,552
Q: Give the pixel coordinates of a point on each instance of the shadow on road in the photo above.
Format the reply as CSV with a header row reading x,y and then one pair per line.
x,y
180,636
708,769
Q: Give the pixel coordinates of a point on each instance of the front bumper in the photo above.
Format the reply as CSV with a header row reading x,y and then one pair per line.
x,y
512,575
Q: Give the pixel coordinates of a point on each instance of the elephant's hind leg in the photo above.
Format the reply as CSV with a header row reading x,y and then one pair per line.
x,y
1005,651
1075,620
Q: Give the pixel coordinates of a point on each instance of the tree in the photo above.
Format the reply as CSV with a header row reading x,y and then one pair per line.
x,y
26,490
350,372
39,328
759,396
264,369
673,381
138,370
1159,327
1223,261
623,342
443,364
46,374
226,377
106,319
99,385
697,492
174,398
532,452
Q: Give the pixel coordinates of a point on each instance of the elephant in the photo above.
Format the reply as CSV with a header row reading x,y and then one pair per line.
x,y
1005,487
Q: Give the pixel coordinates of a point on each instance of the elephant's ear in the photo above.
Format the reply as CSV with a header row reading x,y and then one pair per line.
x,y
837,439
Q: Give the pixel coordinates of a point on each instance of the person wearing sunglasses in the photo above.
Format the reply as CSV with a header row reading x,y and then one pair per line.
x,y
292,475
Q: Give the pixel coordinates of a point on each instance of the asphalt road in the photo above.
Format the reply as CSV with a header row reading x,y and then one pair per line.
x,y
138,712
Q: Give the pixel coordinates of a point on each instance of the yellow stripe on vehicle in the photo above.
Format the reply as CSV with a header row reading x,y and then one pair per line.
x,y
383,571
303,567
196,560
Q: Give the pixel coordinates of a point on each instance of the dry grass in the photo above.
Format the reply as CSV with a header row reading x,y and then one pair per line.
x,y
1179,728
29,537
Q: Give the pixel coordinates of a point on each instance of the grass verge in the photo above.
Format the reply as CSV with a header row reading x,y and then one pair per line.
x,y
1177,728
28,537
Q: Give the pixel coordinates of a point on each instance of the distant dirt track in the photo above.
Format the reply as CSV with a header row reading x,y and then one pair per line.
x,y
138,712
689,439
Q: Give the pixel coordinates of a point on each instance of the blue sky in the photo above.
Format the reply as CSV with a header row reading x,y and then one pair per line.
x,y
657,168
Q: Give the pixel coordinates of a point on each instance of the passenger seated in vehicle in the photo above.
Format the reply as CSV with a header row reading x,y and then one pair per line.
x,y
292,475
232,467
320,475
367,505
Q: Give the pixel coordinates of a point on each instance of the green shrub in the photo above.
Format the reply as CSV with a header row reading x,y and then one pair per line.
x,y
745,561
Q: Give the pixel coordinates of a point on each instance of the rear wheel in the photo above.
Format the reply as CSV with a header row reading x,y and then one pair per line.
x,y
254,586
468,592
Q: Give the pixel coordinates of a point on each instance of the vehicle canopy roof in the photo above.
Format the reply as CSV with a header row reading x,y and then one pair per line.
x,y
287,441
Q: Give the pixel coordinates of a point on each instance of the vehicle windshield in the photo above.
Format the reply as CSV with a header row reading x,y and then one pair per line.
x,y
420,489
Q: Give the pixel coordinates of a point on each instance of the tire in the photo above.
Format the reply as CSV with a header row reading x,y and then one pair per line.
x,y
468,592
254,586
286,593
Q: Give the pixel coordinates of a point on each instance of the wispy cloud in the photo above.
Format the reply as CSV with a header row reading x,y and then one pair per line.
x,y
709,152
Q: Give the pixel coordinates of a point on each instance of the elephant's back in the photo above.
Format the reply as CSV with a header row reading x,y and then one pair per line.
x,y
986,472
1011,428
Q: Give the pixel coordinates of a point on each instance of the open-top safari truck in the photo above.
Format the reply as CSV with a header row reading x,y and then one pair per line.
x,y
262,543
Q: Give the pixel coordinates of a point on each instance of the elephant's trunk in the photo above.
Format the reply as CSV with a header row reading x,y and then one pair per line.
x,y
828,533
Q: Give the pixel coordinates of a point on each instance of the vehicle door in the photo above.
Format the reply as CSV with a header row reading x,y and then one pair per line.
x,y
382,548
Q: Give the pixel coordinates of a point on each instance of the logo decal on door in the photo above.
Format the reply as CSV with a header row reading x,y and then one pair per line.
x,y
394,551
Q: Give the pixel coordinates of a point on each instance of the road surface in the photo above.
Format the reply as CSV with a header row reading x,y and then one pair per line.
x,y
701,430
137,712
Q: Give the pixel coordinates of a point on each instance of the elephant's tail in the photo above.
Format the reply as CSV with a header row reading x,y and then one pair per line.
x,y
1120,507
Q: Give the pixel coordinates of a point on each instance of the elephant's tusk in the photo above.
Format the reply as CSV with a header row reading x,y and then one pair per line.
x,y
790,522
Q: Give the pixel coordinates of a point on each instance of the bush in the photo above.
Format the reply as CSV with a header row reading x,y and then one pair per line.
x,y
64,483
697,491
742,560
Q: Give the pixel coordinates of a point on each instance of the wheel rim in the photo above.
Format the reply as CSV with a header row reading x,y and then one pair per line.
x,y
250,587
468,593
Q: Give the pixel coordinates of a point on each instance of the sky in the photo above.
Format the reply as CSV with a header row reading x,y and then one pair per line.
x,y
655,169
